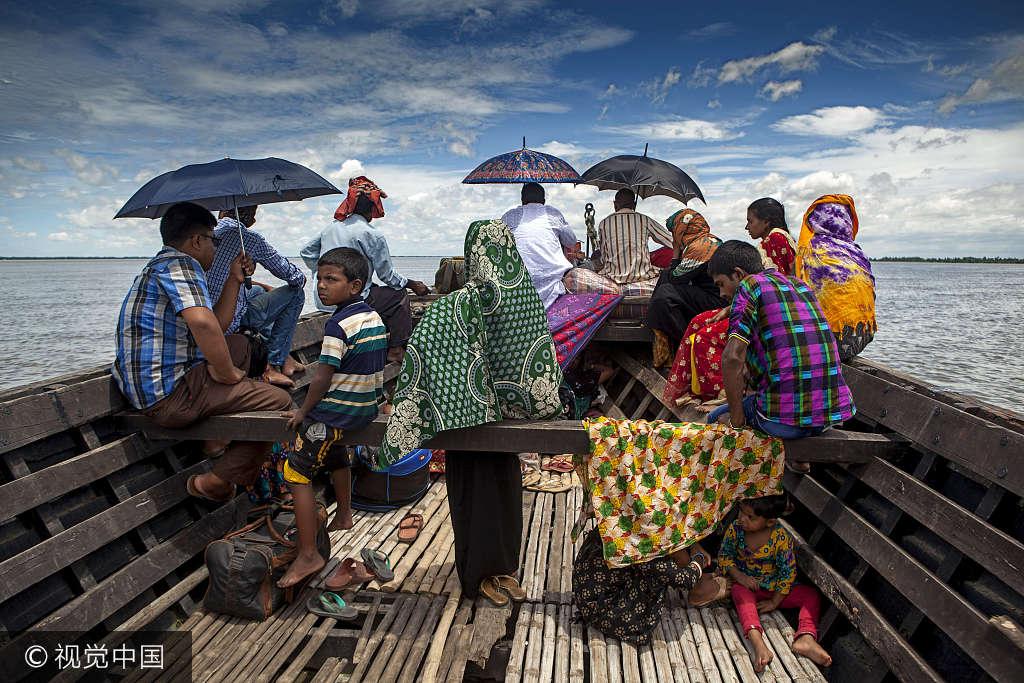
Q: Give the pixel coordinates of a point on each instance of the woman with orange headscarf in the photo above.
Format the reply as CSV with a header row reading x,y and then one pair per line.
x,y
831,263
685,289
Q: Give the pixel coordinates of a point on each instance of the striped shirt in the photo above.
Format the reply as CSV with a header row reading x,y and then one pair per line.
x,y
154,345
624,238
259,250
791,352
356,346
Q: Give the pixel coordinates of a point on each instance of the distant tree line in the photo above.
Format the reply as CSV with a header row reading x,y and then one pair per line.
x,y
955,259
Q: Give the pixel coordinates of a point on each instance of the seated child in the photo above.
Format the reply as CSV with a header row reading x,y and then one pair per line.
x,y
778,337
757,554
344,394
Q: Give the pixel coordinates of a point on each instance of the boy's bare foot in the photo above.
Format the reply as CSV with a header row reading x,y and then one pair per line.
x,y
807,646
340,523
273,376
762,655
292,367
303,566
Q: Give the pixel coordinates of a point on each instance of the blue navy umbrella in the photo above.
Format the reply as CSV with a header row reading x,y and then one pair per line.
x,y
226,185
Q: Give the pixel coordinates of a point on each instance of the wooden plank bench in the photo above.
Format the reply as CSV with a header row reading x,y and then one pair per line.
x,y
556,436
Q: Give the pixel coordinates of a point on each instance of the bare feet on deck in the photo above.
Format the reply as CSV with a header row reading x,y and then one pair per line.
x,y
762,655
303,566
292,367
807,646
273,376
340,523
211,487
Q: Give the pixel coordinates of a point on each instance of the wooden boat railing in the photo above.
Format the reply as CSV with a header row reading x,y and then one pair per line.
x,y
917,545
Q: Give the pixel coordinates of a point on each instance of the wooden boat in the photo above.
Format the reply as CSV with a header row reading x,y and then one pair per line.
x,y
911,525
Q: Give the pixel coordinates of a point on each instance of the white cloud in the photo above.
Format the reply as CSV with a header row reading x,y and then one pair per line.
x,y
714,104
659,88
611,91
89,172
776,90
34,165
798,56
347,8
719,29
59,237
18,234
680,129
1005,82
831,121
350,168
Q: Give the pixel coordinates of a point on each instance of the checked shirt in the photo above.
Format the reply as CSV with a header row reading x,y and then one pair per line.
x,y
791,352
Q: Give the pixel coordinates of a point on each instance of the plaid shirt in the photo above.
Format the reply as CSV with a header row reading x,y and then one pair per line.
x,y
154,346
260,252
791,352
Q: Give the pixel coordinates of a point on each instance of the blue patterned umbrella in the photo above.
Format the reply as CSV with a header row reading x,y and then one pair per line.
x,y
523,166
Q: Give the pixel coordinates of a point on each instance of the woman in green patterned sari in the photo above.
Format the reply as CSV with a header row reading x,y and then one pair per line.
x,y
480,354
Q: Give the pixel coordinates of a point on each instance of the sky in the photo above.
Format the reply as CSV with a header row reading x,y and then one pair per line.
x,y
916,112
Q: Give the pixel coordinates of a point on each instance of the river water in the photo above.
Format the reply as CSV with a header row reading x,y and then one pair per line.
x,y
955,326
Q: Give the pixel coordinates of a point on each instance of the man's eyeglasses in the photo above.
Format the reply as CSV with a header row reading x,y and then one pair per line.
x,y
215,240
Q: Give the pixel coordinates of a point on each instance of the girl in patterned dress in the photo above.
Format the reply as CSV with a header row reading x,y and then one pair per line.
x,y
766,221
757,554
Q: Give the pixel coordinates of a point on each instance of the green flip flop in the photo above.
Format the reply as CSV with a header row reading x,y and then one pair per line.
x,y
378,563
331,605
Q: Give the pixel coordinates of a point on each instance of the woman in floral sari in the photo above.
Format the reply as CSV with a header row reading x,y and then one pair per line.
x,y
697,369
480,354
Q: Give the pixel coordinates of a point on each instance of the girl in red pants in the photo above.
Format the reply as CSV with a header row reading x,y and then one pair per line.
x,y
757,554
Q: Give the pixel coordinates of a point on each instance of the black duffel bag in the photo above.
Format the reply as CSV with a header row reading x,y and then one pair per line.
x,y
246,565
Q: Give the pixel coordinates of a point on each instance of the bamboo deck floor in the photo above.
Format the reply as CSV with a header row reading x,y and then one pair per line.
x,y
419,628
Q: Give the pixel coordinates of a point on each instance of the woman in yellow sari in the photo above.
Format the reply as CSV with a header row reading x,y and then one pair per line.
x,y
828,259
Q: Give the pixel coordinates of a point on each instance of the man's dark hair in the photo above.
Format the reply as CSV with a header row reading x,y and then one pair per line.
x,y
625,198
183,220
770,507
735,254
364,207
349,261
771,210
533,193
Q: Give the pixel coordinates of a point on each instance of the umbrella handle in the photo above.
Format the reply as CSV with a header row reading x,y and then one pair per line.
x,y
241,243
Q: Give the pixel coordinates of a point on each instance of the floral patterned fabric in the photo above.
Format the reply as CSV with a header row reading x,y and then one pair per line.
x,y
697,369
656,487
773,564
480,354
778,250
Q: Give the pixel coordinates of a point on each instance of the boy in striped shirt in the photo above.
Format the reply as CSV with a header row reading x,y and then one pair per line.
x,y
346,389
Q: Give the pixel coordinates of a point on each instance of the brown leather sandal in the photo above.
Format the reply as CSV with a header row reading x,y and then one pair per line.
x,y
490,589
350,573
510,585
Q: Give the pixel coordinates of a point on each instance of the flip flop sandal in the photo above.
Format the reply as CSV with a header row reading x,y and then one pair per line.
x,y
559,463
490,589
348,574
721,594
511,586
409,528
378,563
193,490
331,605
531,480
798,467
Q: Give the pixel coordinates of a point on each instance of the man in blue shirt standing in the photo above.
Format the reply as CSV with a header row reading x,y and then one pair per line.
x,y
271,312
351,228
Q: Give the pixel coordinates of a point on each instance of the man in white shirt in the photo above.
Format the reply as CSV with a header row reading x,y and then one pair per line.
x,y
542,238
624,238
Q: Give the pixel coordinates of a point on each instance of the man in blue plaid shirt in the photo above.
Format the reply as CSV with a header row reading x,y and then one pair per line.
x,y
273,312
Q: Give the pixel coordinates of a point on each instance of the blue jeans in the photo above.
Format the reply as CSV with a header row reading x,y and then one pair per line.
x,y
274,314
756,420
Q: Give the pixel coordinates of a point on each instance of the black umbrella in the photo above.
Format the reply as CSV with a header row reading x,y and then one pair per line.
x,y
227,185
644,175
